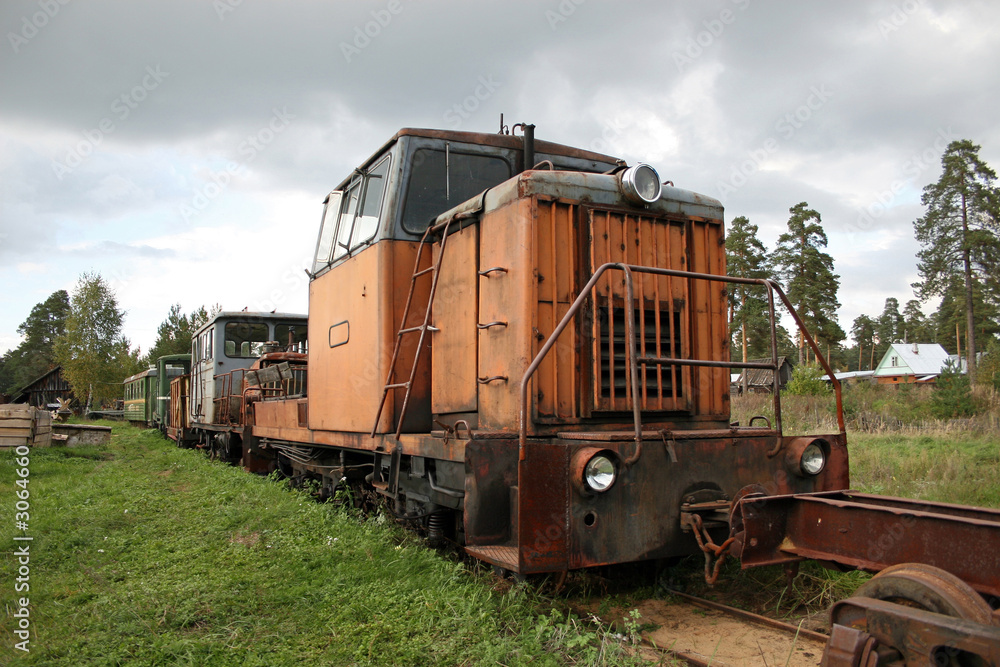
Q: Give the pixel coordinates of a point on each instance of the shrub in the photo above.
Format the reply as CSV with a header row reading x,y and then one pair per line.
x,y
989,367
807,381
952,395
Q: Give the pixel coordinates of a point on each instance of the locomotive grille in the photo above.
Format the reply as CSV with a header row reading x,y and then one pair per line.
x,y
659,311
656,336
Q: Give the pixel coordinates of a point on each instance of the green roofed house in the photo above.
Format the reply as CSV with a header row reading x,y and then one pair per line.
x,y
909,363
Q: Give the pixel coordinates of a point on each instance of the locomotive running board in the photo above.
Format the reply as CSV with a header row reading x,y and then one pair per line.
x,y
870,533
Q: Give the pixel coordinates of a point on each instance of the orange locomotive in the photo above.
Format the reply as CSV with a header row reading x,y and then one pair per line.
x,y
443,269
525,346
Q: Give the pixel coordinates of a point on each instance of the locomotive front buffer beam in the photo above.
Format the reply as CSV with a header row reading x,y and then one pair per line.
x,y
937,566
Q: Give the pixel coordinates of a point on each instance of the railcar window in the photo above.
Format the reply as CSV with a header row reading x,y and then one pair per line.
x,y
327,230
433,188
367,222
300,336
350,207
247,337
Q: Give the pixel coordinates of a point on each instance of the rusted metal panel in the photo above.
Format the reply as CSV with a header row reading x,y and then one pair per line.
x,y
711,330
505,297
558,377
490,476
505,141
543,508
563,526
874,532
353,320
456,310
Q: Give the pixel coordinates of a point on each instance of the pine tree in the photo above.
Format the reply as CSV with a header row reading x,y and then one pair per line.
x,y
888,326
746,257
35,356
174,334
807,273
916,327
959,232
863,333
950,319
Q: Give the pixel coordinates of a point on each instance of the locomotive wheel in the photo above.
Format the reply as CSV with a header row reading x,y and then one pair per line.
x,y
929,588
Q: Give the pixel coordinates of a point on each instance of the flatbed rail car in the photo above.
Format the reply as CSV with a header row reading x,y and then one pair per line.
x,y
525,346
168,367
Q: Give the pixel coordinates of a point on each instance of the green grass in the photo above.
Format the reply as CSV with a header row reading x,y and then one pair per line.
x,y
951,467
144,554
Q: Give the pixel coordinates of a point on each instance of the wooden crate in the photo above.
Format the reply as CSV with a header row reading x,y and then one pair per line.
x,y
24,425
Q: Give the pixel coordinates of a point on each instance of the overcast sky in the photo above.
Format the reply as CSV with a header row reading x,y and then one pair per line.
x,y
183,149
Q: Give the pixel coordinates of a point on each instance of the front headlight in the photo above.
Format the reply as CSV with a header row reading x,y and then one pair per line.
x,y
641,184
806,456
813,459
599,473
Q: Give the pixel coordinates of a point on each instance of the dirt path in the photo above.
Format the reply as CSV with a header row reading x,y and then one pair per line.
x,y
719,639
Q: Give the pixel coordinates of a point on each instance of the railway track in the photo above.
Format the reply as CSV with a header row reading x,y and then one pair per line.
x,y
702,633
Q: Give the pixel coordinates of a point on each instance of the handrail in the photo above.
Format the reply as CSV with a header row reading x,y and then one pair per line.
x,y
772,287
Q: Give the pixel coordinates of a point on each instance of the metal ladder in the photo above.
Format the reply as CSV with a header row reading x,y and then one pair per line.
x,y
434,270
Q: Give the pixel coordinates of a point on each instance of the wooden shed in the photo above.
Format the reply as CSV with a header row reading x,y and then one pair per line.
x,y
45,390
761,380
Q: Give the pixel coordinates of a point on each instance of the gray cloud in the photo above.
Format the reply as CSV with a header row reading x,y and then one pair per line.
x,y
145,103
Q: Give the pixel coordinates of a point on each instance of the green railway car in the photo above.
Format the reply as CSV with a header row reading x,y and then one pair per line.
x,y
167,368
140,396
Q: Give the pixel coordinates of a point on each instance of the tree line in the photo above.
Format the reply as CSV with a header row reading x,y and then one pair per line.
x,y
958,262
82,333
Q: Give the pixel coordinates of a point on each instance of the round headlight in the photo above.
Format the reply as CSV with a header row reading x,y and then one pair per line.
x,y
641,184
599,474
813,459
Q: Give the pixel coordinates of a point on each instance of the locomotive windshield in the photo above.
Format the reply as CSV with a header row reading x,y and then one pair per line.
x,y
351,217
443,179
